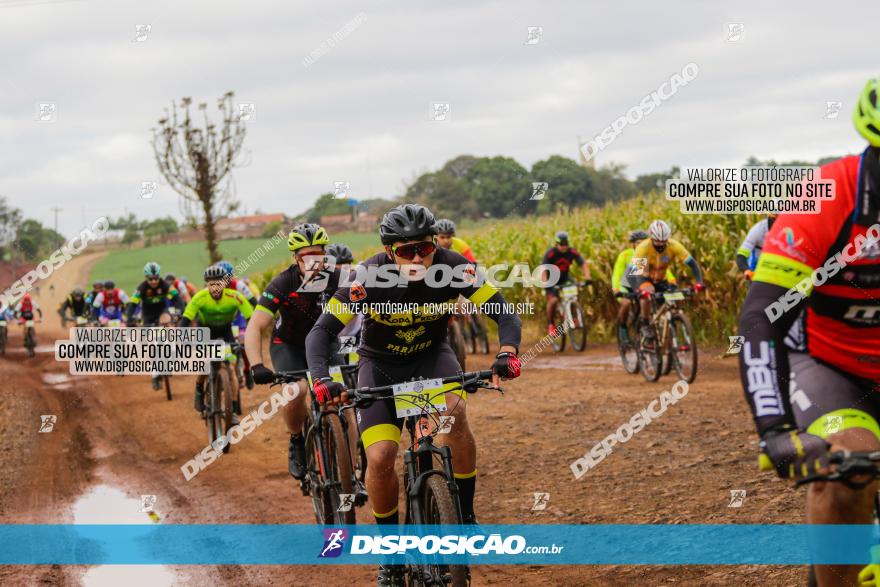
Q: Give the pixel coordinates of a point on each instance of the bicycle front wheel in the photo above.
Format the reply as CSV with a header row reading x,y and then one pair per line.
x,y
684,348
221,410
558,341
338,476
314,474
577,327
628,345
439,508
167,379
650,358
30,341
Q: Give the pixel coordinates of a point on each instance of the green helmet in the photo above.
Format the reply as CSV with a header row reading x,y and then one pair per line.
x,y
866,115
306,235
152,269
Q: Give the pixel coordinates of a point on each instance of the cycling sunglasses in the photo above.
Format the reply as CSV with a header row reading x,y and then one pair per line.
x,y
410,250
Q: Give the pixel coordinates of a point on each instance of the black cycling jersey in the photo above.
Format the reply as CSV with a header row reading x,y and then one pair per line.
x,y
298,306
153,299
403,322
76,307
554,256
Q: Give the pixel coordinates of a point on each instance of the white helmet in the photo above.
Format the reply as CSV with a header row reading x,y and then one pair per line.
x,y
659,231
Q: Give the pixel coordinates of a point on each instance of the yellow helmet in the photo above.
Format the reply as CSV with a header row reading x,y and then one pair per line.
x,y
307,235
866,116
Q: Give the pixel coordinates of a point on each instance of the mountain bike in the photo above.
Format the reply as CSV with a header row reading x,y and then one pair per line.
x,y
570,313
218,404
673,338
30,337
628,343
431,492
333,479
849,464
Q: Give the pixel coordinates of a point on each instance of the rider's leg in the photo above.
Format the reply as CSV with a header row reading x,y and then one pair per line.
x,y
382,482
460,440
844,412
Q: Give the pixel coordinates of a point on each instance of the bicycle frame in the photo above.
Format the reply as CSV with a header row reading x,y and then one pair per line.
x,y
418,464
661,317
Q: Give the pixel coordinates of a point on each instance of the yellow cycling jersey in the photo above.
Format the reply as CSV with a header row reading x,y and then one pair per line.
x,y
462,248
657,262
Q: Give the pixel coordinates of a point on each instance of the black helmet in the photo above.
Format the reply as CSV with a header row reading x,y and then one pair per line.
x,y
562,238
214,272
637,235
98,284
406,222
341,252
109,285
445,226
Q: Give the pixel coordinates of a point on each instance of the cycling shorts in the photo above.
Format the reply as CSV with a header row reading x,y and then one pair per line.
x,y
287,357
638,281
826,401
379,421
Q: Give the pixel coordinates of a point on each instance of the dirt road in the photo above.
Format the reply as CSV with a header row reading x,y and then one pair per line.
x,y
117,432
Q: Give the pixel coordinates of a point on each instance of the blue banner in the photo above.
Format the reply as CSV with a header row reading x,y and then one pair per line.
x,y
275,544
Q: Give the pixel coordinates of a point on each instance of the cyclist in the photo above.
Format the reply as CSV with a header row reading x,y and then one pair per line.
x,y
296,296
822,391
108,303
750,249
215,307
650,262
398,347
562,255
24,310
446,238
97,287
185,289
76,303
241,287
343,259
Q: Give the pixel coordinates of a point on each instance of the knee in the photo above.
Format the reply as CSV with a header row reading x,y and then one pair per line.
x,y
381,456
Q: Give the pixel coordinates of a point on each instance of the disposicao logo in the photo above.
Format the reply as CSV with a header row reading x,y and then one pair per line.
x,y
334,540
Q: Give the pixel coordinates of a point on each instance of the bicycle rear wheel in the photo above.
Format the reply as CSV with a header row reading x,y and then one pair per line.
x,y
628,345
221,408
30,341
167,379
578,327
558,341
684,348
314,473
439,508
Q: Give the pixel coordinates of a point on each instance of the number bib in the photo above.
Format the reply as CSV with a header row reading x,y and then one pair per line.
x,y
415,397
569,290
673,297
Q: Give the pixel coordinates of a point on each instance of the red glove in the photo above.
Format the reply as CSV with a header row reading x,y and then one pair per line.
x,y
327,389
506,365
699,287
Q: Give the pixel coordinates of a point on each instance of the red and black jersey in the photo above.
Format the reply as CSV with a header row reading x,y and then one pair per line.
x,y
298,306
554,256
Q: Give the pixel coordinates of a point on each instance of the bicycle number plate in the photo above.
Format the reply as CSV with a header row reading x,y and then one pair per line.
x,y
2,322
570,291
227,352
114,323
80,321
235,331
416,397
673,297
29,323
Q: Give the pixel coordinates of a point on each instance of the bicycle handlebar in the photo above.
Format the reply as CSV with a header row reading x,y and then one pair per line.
x,y
289,376
470,382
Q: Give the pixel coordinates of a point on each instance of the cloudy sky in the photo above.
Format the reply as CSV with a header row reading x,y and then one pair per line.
x,y
361,111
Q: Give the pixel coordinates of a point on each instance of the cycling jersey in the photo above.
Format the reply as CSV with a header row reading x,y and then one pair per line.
x,y
298,306
153,299
402,337
110,300
25,305
463,249
554,256
216,314
751,247
657,262
77,308
619,280
242,288
841,322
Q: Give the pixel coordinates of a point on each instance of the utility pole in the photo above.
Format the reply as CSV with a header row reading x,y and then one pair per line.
x,y
56,209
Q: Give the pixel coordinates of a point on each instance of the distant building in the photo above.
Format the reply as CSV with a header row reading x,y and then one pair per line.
x,y
247,226
343,223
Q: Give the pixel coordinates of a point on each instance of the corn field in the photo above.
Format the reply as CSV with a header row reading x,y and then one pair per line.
x,y
599,234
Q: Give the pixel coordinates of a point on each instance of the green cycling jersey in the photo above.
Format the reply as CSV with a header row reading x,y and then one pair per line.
x,y
217,313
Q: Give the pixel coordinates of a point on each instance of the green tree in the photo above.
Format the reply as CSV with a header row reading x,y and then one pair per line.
x,y
327,205
445,194
655,181
500,186
611,184
569,184
10,218
271,229
35,242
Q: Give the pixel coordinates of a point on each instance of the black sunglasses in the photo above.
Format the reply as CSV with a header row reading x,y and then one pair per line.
x,y
410,250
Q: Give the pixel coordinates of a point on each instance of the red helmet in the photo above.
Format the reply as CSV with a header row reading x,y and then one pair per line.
x,y
26,296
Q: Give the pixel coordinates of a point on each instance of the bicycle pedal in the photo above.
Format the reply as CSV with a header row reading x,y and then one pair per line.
x,y
304,486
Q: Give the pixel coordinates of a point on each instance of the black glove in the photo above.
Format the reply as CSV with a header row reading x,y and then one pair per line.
x,y
506,365
795,454
325,389
262,375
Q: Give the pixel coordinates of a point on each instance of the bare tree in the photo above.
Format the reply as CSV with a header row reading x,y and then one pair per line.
x,y
197,162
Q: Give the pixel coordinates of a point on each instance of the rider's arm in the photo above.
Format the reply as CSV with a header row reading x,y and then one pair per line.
x,y
695,268
132,304
190,312
754,236
244,290
490,301
319,342
619,267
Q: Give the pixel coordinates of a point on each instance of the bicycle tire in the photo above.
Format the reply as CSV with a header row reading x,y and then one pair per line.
x,y
320,501
680,349
579,328
3,341
210,422
221,412
336,448
629,349
558,341
650,360
168,394
439,508
30,341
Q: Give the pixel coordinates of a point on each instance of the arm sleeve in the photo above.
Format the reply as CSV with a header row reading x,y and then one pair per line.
x,y
695,267
742,263
99,299
763,360
509,324
192,308
324,333
619,267
750,242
